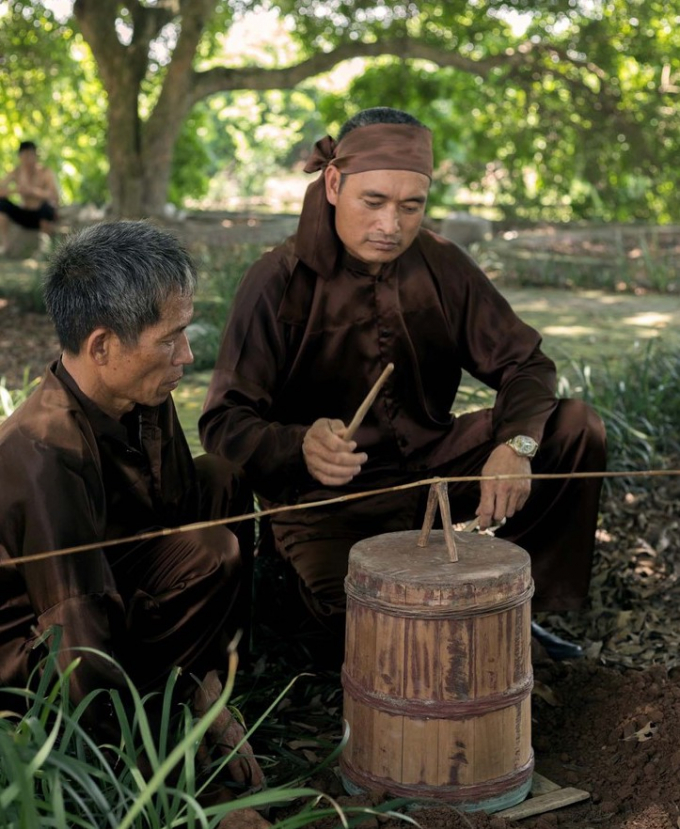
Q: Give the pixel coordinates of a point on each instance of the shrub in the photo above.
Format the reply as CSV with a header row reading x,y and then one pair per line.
x,y
638,400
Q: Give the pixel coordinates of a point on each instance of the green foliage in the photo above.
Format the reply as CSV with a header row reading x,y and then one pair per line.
x,y
221,271
560,110
191,163
638,399
53,773
50,93
253,136
11,399
577,125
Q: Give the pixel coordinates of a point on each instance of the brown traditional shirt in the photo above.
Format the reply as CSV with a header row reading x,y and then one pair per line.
x,y
302,344
71,475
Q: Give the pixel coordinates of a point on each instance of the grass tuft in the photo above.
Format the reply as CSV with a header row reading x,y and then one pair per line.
x,y
53,773
638,397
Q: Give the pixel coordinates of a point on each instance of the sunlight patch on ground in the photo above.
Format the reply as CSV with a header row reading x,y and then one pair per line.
x,y
650,318
538,305
569,331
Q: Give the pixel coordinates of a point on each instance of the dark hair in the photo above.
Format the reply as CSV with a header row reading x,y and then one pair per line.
x,y
27,145
117,275
377,115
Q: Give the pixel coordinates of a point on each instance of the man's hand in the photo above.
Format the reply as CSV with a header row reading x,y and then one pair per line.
x,y
502,499
330,458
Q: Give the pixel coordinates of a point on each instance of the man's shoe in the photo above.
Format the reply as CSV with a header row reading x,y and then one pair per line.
x,y
556,648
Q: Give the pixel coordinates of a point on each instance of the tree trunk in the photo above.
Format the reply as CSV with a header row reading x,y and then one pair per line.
x,y
126,175
139,152
157,168
139,170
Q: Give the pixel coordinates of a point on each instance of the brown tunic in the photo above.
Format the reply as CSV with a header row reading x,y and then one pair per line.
x,y
302,344
71,475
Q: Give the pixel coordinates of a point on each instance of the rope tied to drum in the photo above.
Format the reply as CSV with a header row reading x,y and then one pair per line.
x,y
350,496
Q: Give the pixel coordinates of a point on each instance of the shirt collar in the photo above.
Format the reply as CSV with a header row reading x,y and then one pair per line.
x,y
124,430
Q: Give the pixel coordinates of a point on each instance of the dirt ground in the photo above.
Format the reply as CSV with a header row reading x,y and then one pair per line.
x,y
608,724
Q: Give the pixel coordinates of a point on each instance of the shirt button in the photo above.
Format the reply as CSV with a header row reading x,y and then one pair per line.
x,y
385,332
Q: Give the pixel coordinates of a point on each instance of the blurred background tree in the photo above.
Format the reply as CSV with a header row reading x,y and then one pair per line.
x,y
550,109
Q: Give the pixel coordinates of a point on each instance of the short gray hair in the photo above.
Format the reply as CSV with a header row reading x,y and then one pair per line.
x,y
116,275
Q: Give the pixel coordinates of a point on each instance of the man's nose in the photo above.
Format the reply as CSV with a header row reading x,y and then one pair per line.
x,y
388,221
183,353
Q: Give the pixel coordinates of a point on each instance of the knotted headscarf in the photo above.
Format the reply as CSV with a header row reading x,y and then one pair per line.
x,y
373,147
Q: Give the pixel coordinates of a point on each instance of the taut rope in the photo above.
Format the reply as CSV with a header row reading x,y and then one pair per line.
x,y
352,496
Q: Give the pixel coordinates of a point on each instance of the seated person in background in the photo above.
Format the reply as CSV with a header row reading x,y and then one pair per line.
x,y
36,187
313,325
97,453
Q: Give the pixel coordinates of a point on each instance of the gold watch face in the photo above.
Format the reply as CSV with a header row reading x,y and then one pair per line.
x,y
524,445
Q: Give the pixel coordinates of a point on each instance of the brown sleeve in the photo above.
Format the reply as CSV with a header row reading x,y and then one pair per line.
x,y
497,347
505,354
239,416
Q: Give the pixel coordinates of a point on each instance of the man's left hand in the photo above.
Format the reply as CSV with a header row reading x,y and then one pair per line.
x,y
502,499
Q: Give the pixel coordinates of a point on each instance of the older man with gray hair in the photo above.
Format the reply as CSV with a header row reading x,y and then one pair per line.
x,y
96,454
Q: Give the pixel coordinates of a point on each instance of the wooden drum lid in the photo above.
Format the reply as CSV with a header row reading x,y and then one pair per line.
x,y
437,675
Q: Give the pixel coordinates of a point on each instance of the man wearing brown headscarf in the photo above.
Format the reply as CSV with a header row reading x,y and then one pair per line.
x,y
313,325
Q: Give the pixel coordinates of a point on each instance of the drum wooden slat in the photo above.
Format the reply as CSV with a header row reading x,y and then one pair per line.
x,y
437,674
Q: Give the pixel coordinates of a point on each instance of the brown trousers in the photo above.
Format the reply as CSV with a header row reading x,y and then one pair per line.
x,y
556,526
187,594
179,600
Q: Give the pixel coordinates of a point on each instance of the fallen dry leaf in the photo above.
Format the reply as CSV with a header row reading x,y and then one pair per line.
x,y
296,744
545,692
643,734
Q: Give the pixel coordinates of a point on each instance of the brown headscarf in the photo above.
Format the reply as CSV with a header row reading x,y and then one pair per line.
x,y
373,147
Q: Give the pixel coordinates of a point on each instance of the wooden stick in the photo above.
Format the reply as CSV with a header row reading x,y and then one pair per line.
x,y
541,785
445,510
326,502
544,803
430,512
439,494
366,405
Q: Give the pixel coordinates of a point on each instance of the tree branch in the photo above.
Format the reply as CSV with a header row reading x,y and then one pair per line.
x,y
97,21
149,20
176,99
222,79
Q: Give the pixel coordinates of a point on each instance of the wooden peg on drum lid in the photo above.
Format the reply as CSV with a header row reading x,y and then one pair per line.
x,y
439,495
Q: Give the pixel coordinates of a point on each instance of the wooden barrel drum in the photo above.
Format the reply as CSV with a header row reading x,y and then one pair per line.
x,y
437,675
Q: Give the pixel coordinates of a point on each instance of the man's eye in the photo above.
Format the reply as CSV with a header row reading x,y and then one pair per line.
x,y
372,204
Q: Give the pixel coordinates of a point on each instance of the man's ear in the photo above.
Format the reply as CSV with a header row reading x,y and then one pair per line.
x,y
98,345
332,177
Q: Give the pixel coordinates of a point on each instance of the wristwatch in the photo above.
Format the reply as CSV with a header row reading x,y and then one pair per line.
x,y
523,445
